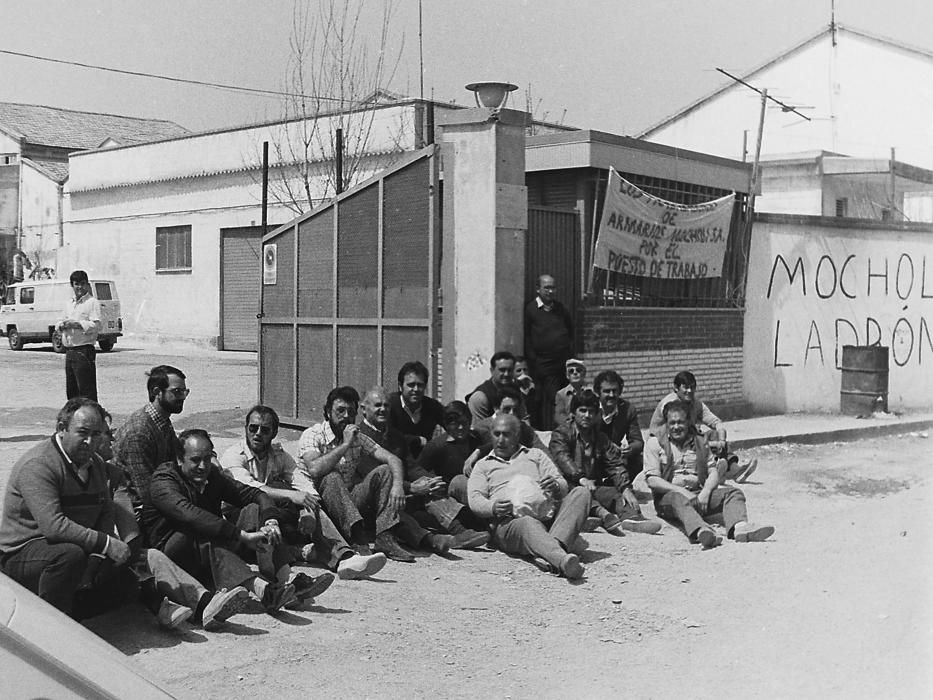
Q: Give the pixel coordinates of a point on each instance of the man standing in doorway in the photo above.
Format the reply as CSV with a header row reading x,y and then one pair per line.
x,y
79,329
548,345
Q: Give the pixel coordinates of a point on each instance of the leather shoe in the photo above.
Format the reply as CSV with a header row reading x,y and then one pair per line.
x,y
440,544
277,596
222,605
388,545
307,588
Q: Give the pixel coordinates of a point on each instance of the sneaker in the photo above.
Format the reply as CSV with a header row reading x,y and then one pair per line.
x,y
388,545
707,538
360,566
470,539
613,525
570,567
749,468
277,596
642,524
172,615
746,532
307,588
223,605
591,523
440,544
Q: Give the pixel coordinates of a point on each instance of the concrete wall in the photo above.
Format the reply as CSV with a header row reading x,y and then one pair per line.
x,y
648,346
40,216
880,97
816,284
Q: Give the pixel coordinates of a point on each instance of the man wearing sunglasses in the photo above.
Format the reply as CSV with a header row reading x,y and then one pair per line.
x,y
258,461
147,438
576,383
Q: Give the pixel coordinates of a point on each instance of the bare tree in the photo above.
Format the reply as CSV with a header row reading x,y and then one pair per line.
x,y
336,74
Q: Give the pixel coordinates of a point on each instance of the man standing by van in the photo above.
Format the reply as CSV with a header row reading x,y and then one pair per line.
x,y
79,331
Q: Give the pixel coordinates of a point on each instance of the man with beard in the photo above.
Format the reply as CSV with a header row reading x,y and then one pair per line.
x,y
683,475
428,501
183,519
331,453
619,421
147,438
418,417
260,462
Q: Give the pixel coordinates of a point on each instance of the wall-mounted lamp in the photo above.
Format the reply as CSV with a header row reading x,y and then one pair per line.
x,y
491,95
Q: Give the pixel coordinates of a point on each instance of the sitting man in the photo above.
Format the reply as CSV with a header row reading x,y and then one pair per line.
x,y
526,384
619,421
683,475
183,519
260,462
428,501
418,417
703,420
508,402
331,452
58,514
587,458
576,377
446,455
483,399
525,496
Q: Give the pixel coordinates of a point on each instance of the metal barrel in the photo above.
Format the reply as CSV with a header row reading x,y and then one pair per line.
x,y
864,379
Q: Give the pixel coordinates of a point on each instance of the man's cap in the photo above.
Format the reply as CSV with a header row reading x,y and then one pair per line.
x,y
574,362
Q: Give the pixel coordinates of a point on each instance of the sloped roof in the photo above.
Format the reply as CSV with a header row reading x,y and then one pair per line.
x,y
55,170
66,128
748,75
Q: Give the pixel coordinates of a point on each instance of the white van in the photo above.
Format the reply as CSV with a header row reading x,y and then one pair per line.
x,y
30,311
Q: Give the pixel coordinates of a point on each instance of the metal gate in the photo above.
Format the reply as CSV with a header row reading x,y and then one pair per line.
x,y
349,291
553,247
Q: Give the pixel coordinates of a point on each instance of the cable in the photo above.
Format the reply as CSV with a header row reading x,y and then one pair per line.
x,y
188,81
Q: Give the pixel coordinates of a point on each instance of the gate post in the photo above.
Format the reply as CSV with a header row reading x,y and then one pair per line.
x,y
484,227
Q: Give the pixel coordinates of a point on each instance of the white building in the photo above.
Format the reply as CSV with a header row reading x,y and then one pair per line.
x,y
866,96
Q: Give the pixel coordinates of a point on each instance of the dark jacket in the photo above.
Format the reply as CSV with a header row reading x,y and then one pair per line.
x,y
432,415
624,424
604,465
176,506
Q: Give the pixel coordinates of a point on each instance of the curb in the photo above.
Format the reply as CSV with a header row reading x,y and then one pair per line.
x,y
840,435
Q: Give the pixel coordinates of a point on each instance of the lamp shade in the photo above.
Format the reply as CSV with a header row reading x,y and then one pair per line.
x,y
491,94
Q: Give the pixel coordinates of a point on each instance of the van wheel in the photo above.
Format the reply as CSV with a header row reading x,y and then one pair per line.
x,y
106,344
16,342
57,344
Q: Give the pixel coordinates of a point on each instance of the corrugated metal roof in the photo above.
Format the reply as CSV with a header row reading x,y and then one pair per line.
x,y
53,126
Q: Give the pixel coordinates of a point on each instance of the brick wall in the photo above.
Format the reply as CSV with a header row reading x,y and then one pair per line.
x,y
648,346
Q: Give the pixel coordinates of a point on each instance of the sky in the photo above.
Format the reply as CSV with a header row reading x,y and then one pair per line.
x,y
613,65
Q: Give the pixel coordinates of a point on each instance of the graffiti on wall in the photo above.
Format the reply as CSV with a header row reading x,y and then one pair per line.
x,y
858,281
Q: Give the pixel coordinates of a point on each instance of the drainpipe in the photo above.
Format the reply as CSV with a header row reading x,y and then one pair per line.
x,y
61,215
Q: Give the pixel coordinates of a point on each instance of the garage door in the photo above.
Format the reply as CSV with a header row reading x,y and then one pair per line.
x,y
241,273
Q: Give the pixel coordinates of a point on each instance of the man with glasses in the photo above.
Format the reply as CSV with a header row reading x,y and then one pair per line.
x,y
576,383
258,461
79,329
147,438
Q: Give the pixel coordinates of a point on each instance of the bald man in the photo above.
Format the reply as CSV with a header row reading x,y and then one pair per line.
x,y
524,495
548,346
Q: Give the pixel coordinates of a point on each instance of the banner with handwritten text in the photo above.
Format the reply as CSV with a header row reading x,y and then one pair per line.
x,y
640,234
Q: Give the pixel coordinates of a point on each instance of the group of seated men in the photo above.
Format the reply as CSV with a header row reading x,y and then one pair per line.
x,y
92,517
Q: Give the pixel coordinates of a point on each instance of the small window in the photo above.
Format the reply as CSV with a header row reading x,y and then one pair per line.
x,y
885,214
102,291
27,295
842,207
173,249
10,297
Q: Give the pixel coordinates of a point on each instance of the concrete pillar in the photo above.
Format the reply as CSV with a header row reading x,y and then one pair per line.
x,y
485,222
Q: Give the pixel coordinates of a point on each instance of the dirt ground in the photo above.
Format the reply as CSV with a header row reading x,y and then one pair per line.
x,y
837,604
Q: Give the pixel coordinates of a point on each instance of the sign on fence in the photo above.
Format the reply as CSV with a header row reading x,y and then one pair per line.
x,y
640,234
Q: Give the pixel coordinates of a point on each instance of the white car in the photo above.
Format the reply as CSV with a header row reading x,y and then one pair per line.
x,y
31,310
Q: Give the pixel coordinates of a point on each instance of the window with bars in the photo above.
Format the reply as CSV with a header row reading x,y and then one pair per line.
x,y
173,249
727,291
